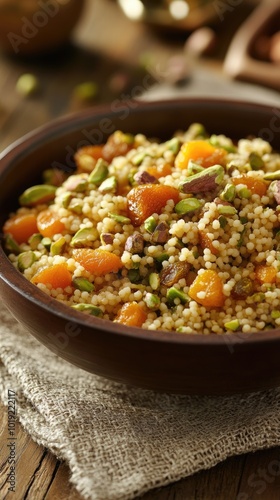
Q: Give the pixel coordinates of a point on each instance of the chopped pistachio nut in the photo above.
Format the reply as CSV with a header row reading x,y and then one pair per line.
x,y
152,301
229,192
232,325
243,220
25,260
76,206
274,189
226,210
143,177
187,205
65,199
216,141
37,194
154,281
84,237
109,185
134,275
196,130
131,175
241,239
161,257
106,238
173,145
272,176
99,173
83,284
194,168
134,243
57,246
76,183
150,224
46,242
275,314
11,244
138,158
174,293
27,84
222,221
120,218
244,193
161,233
88,308
207,180
256,161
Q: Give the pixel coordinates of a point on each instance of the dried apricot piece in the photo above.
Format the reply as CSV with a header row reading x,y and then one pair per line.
x,y
49,223
21,227
147,199
265,274
97,261
57,276
206,242
131,314
207,289
160,171
201,152
255,185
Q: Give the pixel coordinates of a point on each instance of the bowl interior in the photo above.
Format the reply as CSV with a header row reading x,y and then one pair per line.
x,y
53,145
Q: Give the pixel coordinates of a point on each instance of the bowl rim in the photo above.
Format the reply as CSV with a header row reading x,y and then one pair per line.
x,y
15,280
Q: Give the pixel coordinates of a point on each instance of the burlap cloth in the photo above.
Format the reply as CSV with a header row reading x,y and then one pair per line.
x,y
120,441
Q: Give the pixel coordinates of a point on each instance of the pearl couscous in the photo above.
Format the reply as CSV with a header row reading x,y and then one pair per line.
x,y
182,235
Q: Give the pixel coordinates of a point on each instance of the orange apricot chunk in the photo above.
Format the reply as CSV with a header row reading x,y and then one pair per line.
x,y
87,156
97,261
131,314
160,171
201,152
206,242
255,185
147,199
49,223
21,227
57,276
265,274
207,289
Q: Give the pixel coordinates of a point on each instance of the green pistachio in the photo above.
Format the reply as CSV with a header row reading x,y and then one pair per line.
x,y
174,293
272,176
207,180
109,185
88,308
46,242
152,301
99,173
229,193
256,161
83,284
226,210
232,325
25,260
150,224
121,219
187,205
11,244
154,281
84,237
37,194
57,246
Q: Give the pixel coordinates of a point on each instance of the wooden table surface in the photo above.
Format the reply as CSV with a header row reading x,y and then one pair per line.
x,y
106,44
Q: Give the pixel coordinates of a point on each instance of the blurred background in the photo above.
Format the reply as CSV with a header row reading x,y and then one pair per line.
x,y
60,56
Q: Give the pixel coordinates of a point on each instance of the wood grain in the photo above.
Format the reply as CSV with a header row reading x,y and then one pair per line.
x,y
105,43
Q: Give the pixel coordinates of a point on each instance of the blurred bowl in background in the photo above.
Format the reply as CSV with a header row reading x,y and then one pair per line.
x,y
31,27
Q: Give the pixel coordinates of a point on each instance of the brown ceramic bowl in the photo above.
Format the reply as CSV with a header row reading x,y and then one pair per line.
x,y
165,361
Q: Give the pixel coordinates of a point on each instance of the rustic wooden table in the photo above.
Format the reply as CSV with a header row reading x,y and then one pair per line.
x,y
107,44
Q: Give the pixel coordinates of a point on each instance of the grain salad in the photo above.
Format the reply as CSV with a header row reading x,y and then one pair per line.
x,y
181,235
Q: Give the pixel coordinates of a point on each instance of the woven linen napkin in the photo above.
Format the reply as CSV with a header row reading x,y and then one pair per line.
x,y
120,441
